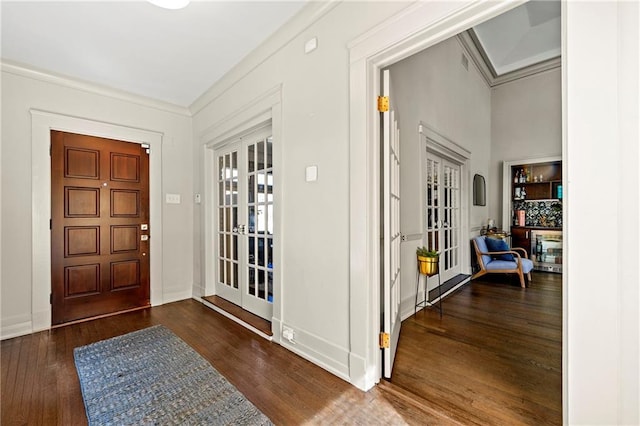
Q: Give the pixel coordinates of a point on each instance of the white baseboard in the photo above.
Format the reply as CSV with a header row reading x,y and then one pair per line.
x,y
16,330
176,296
40,321
360,376
315,350
197,290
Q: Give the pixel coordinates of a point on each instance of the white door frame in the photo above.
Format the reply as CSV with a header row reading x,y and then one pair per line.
x,y
416,28
42,123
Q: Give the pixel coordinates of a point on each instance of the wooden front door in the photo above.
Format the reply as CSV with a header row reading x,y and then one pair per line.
x,y
99,226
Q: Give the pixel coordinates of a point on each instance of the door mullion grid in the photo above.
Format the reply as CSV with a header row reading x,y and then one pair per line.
x,y
252,248
455,216
260,211
395,234
227,219
434,197
451,188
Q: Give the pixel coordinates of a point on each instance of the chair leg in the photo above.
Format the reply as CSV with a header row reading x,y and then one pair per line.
x,y
521,275
529,276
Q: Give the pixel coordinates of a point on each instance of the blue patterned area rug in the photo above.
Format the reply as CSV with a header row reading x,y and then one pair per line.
x,y
151,376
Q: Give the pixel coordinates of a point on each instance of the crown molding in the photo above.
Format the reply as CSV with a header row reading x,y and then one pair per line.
x,y
308,15
477,55
26,71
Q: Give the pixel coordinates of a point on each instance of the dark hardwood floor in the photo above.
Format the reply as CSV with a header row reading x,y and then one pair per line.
x,y
494,358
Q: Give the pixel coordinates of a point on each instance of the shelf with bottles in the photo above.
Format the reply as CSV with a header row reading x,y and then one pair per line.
x,y
537,181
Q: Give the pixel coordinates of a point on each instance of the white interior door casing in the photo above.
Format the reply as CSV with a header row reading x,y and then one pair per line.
x,y
391,233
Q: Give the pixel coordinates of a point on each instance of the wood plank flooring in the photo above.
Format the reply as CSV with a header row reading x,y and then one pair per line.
x,y
486,362
495,357
40,385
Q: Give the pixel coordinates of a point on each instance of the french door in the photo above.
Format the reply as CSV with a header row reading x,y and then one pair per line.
x,y
442,212
244,217
391,238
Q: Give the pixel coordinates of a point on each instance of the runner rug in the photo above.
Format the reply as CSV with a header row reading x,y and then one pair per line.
x,y
151,376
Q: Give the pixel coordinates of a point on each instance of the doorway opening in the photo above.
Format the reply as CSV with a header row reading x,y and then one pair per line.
x,y
369,56
42,122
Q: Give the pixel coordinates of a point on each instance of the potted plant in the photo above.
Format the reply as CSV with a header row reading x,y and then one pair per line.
x,y
427,261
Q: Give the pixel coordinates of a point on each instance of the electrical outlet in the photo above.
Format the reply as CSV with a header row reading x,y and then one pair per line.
x,y
288,334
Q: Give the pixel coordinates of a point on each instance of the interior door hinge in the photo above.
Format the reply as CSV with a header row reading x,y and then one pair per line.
x,y
384,340
50,224
51,298
383,103
146,147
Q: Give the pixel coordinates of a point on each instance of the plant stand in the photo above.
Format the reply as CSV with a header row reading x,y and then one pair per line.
x,y
426,303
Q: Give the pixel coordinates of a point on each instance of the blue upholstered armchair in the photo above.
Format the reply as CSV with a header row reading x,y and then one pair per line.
x,y
495,256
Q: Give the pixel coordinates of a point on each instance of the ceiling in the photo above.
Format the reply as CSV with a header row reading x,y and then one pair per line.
x,y
177,55
524,36
134,46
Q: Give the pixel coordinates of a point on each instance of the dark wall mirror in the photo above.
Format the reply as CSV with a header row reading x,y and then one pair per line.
x,y
479,191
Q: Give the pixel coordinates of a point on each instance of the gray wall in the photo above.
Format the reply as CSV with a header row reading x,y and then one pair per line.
x,y
314,242
433,87
526,122
21,92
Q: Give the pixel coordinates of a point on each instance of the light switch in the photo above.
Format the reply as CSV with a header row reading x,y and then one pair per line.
x,y
172,198
311,173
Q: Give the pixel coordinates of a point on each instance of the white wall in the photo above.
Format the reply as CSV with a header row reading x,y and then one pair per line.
x,y
433,87
314,243
20,93
526,122
602,307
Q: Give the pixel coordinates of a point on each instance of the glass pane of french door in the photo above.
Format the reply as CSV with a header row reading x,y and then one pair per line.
x,y
450,230
227,211
432,207
442,211
260,218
